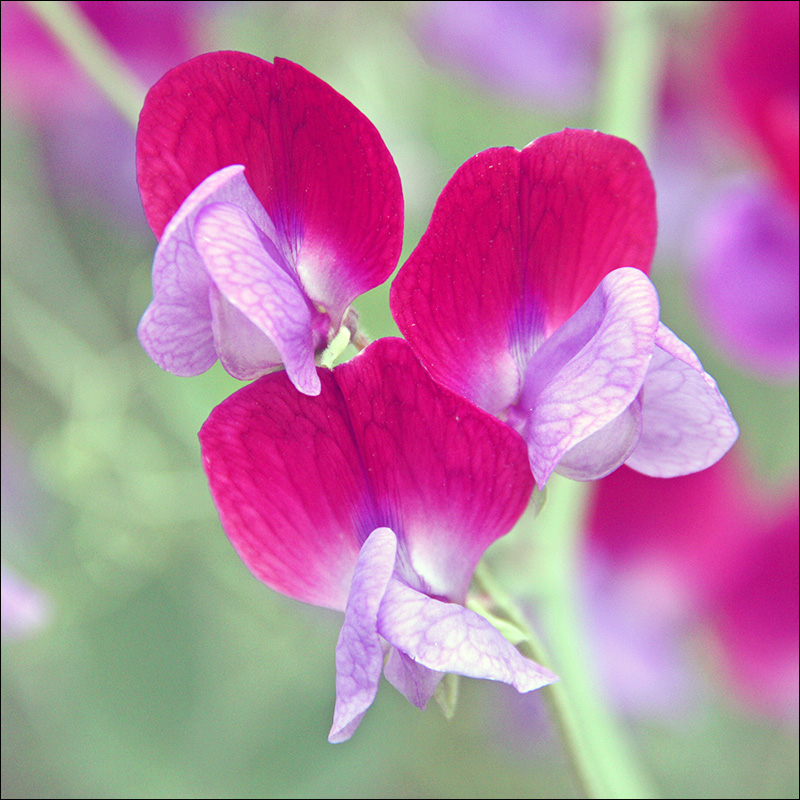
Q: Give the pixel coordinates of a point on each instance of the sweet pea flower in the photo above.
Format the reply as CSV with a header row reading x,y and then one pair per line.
x,y
528,295
377,498
698,552
275,202
747,278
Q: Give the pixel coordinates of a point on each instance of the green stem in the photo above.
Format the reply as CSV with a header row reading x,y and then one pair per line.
x,y
556,696
629,74
92,54
595,742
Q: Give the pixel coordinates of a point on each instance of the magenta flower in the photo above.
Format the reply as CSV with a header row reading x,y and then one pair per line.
x,y
528,295
700,550
757,54
378,498
276,204
746,277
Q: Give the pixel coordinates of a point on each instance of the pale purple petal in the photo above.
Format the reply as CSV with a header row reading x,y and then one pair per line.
x,y
252,275
687,425
415,682
241,346
588,372
603,451
359,652
175,331
447,637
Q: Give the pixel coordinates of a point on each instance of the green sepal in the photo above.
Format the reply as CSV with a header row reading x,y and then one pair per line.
x,y
446,694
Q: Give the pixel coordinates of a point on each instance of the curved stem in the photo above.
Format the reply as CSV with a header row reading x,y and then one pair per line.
x,y
595,742
92,54
556,695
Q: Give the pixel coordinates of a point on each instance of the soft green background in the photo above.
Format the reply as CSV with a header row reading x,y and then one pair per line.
x,y
167,670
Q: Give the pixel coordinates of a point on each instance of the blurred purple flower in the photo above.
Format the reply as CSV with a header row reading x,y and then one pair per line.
x,y
748,277
543,52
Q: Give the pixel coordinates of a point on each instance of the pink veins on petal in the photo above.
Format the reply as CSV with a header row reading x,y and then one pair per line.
x,y
376,497
276,204
528,295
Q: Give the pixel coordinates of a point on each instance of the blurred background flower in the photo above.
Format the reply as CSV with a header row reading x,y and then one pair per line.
x,y
532,52
699,554
163,668
87,146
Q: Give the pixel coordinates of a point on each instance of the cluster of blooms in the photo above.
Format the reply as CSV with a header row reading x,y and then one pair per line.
x,y
703,555
532,345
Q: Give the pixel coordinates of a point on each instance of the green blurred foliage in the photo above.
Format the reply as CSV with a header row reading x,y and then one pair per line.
x,y
167,670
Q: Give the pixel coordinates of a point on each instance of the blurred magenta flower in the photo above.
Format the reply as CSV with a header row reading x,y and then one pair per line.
x,y
88,148
276,204
378,498
148,36
542,52
746,280
528,295
755,614
699,549
757,50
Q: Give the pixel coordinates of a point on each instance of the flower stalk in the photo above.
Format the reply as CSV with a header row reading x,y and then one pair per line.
x,y
596,744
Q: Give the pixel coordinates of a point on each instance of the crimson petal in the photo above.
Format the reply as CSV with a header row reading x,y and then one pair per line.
x,y
287,480
300,482
517,242
316,163
448,478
